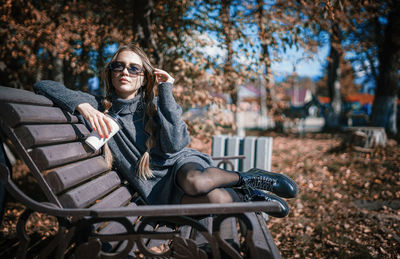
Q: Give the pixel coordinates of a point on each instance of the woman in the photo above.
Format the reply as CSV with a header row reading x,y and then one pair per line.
x,y
150,149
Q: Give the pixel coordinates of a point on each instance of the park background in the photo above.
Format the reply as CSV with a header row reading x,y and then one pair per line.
x,y
300,71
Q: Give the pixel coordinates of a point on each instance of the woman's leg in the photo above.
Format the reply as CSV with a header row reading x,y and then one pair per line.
x,y
205,185
195,180
219,195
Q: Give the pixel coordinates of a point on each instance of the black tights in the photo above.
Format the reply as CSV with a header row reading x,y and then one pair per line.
x,y
204,185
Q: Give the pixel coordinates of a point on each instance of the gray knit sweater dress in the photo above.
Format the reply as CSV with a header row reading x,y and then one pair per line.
x,y
128,145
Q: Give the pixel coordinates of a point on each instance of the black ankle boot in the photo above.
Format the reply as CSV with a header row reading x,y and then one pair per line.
x,y
279,184
250,194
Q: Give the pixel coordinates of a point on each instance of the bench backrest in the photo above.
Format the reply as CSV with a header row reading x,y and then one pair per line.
x,y
254,151
50,141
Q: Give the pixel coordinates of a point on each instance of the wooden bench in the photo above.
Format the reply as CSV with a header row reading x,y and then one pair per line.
x,y
242,153
98,214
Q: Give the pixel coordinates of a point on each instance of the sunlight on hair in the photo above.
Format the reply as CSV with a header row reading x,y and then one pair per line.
x,y
144,167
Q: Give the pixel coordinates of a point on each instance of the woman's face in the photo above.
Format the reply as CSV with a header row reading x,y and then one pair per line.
x,y
126,85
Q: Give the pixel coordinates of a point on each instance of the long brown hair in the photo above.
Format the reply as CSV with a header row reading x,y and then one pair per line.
x,y
144,171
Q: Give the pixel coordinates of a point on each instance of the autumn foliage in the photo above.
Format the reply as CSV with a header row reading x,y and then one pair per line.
x,y
211,48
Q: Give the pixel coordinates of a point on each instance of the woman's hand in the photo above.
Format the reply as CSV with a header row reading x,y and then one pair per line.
x,y
98,120
163,77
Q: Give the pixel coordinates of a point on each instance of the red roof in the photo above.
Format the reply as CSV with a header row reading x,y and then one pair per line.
x,y
363,98
323,99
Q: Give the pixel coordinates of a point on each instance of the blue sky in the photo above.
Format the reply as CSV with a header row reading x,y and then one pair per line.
x,y
306,66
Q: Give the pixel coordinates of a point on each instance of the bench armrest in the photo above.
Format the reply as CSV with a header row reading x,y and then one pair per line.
x,y
146,210
226,160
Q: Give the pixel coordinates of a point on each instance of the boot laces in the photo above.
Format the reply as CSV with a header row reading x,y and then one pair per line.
x,y
263,183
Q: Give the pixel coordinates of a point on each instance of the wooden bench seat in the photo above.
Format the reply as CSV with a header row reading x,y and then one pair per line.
x,y
97,212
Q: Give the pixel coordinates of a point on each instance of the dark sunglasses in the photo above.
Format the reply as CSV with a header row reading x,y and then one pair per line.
x,y
133,70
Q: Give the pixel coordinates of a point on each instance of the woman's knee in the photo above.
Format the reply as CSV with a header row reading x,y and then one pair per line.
x,y
219,196
194,182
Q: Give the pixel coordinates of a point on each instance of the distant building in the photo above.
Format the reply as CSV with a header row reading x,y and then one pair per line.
x,y
299,96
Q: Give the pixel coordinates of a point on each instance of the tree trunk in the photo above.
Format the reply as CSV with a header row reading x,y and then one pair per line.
x,y
333,117
100,67
69,77
265,61
384,113
385,103
228,67
83,74
58,68
227,32
142,28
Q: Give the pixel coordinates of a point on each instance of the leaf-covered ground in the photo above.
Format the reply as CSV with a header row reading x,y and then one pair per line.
x,y
349,202
348,205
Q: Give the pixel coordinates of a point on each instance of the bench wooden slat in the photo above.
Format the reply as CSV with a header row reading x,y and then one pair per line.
x,y
185,231
115,227
229,231
218,146
198,237
67,176
268,238
233,149
249,147
88,193
159,242
15,114
14,95
263,159
39,135
148,242
57,155
262,239
117,198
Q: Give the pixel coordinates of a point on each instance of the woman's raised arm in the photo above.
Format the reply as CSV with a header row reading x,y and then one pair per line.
x,y
173,130
76,101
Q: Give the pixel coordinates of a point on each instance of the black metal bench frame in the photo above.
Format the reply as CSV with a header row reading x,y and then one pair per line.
x,y
85,227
